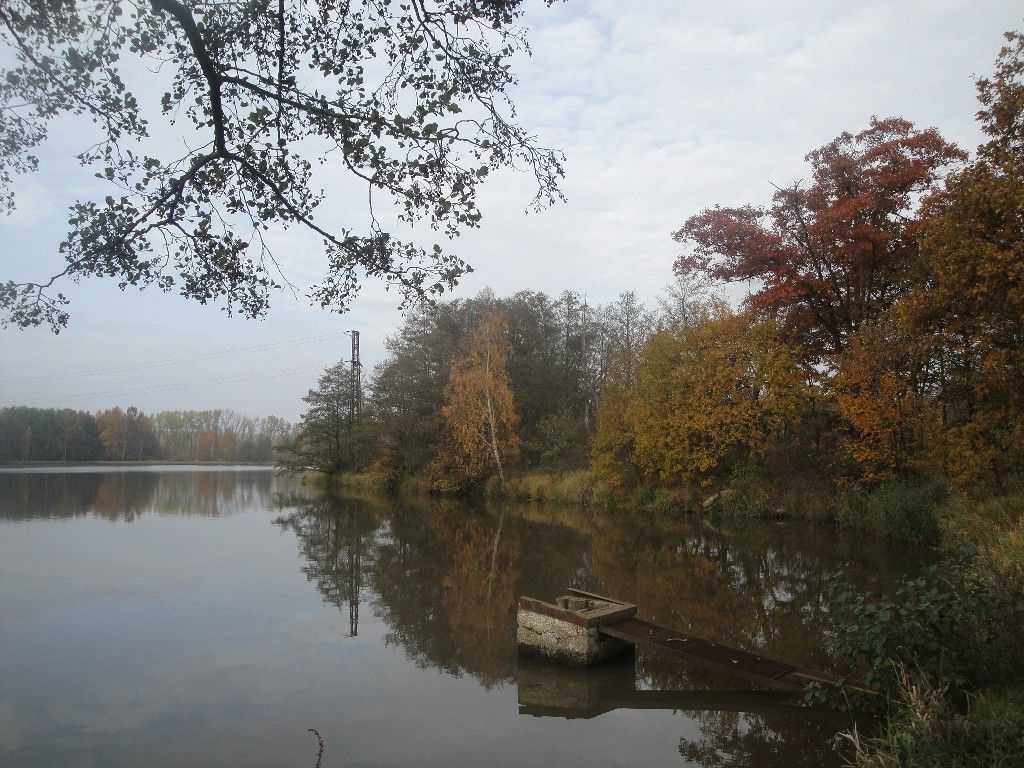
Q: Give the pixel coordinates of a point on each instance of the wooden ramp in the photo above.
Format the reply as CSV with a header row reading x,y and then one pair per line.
x,y
751,702
613,618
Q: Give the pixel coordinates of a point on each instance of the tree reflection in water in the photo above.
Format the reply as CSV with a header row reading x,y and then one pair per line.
x,y
443,577
745,740
127,495
333,539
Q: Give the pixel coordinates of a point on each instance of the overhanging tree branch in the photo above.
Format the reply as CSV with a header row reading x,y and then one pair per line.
x,y
427,134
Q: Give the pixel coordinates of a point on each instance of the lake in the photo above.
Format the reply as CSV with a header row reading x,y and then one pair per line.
x,y
197,616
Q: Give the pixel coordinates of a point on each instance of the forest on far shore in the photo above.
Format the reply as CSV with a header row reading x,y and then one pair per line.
x,y
116,434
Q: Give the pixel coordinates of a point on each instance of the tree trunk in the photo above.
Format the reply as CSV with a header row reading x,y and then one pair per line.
x,y
494,436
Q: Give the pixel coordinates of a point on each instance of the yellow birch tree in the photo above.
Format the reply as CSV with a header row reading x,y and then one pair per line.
x,y
479,410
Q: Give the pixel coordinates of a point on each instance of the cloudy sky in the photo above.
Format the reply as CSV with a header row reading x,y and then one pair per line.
x,y
662,108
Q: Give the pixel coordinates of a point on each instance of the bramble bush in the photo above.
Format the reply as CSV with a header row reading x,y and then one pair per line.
x,y
954,627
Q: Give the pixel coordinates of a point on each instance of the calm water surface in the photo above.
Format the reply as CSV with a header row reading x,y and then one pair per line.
x,y
187,617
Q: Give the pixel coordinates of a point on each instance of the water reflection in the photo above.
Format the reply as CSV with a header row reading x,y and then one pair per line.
x,y
333,541
126,495
745,740
443,581
444,578
206,625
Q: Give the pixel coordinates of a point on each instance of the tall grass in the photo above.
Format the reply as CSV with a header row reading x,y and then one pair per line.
x,y
928,732
994,525
573,487
899,510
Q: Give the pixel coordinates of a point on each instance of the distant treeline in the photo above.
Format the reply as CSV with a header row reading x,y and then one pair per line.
x,y
52,434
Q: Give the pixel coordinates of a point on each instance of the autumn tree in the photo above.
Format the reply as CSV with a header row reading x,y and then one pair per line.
x,y
836,253
479,412
612,449
884,393
558,349
408,100
127,435
972,308
407,387
706,395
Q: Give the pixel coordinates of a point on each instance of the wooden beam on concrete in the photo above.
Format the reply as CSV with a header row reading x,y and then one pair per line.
x,y
616,619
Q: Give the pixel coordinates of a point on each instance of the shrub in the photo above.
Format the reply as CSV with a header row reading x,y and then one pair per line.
x,y
385,474
663,502
745,496
950,626
905,511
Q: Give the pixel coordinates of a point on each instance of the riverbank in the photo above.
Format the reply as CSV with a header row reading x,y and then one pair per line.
x,y
947,649
915,512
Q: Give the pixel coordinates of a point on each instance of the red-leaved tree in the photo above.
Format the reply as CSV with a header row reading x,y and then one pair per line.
x,y
834,254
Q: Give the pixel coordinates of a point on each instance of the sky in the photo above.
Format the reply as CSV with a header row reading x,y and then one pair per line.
x,y
662,108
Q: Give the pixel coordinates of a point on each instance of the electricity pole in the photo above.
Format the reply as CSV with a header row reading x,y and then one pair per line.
x,y
355,395
355,370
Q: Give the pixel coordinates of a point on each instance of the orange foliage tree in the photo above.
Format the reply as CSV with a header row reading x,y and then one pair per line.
x,y
716,390
881,389
479,411
612,446
973,307
126,435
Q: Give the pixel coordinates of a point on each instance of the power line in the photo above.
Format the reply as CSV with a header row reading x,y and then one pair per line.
x,y
173,361
237,379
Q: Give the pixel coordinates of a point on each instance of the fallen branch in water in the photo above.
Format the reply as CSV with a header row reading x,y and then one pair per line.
x,y
319,746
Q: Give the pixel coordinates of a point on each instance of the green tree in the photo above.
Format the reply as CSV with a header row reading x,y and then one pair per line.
x,y
409,99
327,439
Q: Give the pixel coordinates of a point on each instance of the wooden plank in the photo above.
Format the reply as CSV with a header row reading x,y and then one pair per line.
x,y
608,614
731,661
592,618
784,703
547,609
582,593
